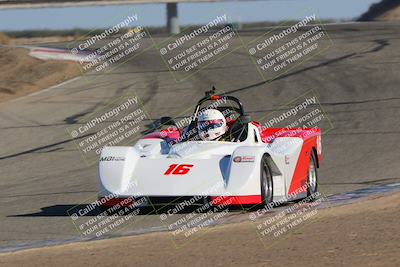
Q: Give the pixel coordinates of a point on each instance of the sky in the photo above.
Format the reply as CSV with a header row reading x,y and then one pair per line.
x,y
189,13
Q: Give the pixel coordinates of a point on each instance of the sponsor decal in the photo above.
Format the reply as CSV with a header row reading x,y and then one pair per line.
x,y
243,159
237,159
112,158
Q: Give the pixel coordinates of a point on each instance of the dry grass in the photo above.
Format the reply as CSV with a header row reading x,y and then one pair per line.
x,y
4,39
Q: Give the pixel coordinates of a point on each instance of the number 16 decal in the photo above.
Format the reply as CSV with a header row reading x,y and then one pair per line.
x,y
178,169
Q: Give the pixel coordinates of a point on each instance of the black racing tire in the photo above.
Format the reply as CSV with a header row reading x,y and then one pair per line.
x,y
267,188
312,176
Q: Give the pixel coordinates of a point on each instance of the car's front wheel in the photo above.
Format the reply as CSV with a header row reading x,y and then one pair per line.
x,y
266,181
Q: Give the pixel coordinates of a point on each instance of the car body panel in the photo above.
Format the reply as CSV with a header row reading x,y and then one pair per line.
x,y
139,170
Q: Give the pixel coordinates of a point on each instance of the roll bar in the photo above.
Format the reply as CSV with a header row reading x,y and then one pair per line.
x,y
218,97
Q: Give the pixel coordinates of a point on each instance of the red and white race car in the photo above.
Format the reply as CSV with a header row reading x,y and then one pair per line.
x,y
252,165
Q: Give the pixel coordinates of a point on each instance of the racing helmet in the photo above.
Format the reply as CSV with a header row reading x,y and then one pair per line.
x,y
211,124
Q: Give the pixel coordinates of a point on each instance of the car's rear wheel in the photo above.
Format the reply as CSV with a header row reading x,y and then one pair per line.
x,y
266,181
312,178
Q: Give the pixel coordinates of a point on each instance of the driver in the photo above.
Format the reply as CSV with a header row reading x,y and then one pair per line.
x,y
211,125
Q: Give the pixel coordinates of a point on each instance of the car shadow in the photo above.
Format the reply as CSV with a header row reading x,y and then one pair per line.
x,y
67,210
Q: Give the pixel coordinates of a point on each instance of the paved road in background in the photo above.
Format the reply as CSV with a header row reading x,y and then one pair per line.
x,y
357,79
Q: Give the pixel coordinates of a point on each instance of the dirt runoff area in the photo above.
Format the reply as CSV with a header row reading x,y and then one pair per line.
x,y
21,74
361,234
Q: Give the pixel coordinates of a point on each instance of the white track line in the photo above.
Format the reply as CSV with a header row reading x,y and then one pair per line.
x,y
44,90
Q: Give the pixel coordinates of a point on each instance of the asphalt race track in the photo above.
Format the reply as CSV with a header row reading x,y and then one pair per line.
x,y
42,174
